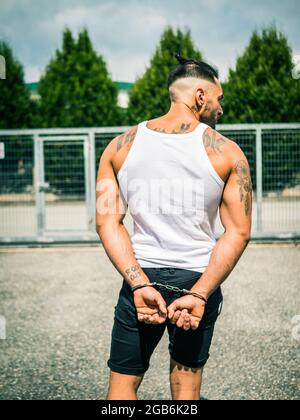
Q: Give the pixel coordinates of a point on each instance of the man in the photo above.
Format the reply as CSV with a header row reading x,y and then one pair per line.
x,y
173,243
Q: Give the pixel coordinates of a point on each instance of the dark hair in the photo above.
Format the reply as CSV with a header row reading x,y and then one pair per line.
x,y
192,68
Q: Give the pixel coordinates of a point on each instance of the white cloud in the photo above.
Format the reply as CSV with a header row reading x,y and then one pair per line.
x,y
125,36
126,67
127,32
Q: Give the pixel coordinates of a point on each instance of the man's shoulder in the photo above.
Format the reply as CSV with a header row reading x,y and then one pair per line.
x,y
121,141
216,142
126,138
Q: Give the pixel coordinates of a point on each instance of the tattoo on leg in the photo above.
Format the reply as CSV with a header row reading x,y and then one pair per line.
x,y
133,273
213,139
242,170
127,137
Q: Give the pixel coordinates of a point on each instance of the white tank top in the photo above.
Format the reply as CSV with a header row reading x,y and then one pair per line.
x,y
173,193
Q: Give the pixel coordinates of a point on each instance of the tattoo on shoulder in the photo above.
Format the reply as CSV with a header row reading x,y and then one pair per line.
x,y
242,170
160,130
214,140
127,137
133,273
183,129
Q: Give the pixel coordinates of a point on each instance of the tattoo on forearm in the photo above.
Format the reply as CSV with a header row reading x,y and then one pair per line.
x,y
127,137
183,129
214,140
133,273
242,170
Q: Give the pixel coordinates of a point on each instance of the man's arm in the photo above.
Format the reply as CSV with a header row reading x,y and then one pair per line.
x,y
235,213
109,222
150,305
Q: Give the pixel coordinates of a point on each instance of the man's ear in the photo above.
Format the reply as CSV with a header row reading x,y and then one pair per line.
x,y
200,97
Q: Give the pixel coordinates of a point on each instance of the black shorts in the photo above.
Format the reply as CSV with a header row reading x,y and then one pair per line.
x,y
133,342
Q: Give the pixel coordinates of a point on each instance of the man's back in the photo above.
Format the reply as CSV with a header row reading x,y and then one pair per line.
x,y
212,140
173,194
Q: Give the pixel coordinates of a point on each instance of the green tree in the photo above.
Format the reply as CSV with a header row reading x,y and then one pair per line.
x,y
15,102
261,88
149,97
76,89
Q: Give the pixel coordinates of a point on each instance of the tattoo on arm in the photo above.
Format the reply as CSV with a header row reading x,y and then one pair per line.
x,y
213,139
242,170
133,273
127,137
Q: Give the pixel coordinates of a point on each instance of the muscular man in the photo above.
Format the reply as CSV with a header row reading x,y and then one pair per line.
x,y
173,173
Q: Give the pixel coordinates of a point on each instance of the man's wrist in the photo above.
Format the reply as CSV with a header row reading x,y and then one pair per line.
x,y
141,286
135,275
197,295
204,293
142,279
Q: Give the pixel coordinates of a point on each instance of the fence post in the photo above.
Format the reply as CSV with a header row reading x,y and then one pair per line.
x,y
87,173
93,180
89,165
259,184
39,176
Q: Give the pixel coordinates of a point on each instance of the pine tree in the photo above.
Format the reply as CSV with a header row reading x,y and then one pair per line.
x,y
261,87
76,89
149,97
14,97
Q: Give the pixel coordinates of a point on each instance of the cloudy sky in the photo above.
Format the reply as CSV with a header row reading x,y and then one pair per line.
x,y
126,32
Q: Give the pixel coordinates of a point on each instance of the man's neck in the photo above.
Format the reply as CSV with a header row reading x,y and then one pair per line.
x,y
180,119
185,111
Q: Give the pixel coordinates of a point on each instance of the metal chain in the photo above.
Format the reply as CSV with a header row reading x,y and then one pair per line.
x,y
185,291
173,288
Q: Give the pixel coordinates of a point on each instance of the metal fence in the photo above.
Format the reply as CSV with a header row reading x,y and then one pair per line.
x,y
48,181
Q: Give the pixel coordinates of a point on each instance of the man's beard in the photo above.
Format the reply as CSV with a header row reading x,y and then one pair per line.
x,y
210,120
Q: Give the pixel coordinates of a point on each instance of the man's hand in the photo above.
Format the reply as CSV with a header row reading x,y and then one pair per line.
x,y
150,305
186,312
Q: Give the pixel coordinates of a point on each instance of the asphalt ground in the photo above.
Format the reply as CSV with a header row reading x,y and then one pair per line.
x,y
58,306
